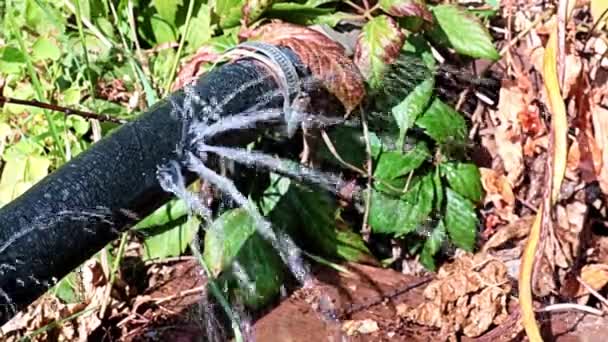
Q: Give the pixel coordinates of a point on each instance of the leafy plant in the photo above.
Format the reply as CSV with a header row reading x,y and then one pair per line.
x,y
419,178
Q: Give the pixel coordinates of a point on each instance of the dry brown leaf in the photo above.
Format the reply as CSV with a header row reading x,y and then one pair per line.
x,y
48,309
193,68
573,69
594,275
600,129
366,326
508,132
513,231
469,296
325,58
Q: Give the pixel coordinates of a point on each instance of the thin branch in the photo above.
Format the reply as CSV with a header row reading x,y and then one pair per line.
x,y
334,152
65,110
593,292
368,149
571,306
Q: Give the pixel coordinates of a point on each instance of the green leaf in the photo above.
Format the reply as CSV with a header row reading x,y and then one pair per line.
x,y
349,143
167,9
66,288
463,32
173,210
394,164
378,46
405,8
170,239
432,245
79,124
304,14
202,29
20,173
464,178
12,60
163,31
402,215
44,48
406,112
225,237
311,217
168,230
253,9
460,220
229,12
247,263
443,124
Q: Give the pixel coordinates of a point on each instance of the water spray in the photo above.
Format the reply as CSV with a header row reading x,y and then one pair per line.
x,y
72,213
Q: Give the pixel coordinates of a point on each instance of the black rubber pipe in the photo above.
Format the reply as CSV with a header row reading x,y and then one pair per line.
x,y
75,211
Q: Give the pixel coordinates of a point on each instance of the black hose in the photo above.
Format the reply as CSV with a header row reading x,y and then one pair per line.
x,y
75,211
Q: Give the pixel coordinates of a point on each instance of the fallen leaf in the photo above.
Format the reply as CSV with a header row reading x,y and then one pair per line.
x,y
594,275
600,130
508,131
468,296
366,326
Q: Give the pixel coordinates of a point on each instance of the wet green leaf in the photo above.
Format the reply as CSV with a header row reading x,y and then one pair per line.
x,y
311,217
393,164
403,215
378,46
406,112
460,220
463,32
245,261
170,239
432,246
443,124
225,237
464,178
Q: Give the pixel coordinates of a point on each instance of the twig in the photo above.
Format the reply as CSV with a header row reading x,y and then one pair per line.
x,y
90,26
571,306
108,290
65,110
593,292
368,150
334,152
524,32
169,260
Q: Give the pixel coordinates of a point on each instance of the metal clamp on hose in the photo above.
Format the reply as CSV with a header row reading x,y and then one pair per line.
x,y
283,69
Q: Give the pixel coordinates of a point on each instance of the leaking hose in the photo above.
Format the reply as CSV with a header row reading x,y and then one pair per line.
x,y
72,213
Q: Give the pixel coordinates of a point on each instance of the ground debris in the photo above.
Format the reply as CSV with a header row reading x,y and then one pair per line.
x,y
468,296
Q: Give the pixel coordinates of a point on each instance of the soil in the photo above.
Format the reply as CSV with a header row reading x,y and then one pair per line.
x,y
324,310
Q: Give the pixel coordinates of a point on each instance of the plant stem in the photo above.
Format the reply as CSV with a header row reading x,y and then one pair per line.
x,y
179,48
37,87
84,47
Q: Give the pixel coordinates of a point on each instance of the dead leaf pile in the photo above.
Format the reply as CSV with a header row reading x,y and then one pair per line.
x,y
468,296
77,320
